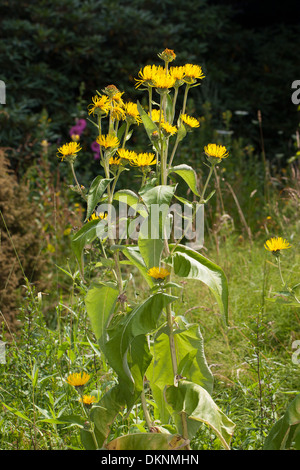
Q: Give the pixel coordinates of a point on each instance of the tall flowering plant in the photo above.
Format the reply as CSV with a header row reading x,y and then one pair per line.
x,y
153,234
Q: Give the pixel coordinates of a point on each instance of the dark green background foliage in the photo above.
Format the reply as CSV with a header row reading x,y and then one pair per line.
x,y
49,49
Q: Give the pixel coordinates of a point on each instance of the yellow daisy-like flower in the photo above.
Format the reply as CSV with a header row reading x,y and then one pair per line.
x,y
190,121
155,114
143,159
68,150
178,74
276,244
132,113
108,141
101,215
158,273
216,151
192,73
100,105
162,81
168,129
78,379
88,400
115,161
117,113
127,154
147,74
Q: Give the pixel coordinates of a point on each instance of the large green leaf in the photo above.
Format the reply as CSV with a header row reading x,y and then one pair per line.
x,y
103,415
120,348
146,441
149,126
193,403
191,361
130,198
86,235
285,433
153,229
134,257
190,264
100,302
187,173
97,188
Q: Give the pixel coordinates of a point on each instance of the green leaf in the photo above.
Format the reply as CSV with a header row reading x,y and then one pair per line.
x,y
100,302
103,415
16,412
97,188
192,265
187,173
191,360
286,431
83,237
194,403
149,125
152,230
146,441
134,256
123,340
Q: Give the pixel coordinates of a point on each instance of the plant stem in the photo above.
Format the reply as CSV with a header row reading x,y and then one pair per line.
x,y
145,410
206,184
76,181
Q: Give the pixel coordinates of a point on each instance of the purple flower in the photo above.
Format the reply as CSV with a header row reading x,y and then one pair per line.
x,y
96,149
81,124
75,131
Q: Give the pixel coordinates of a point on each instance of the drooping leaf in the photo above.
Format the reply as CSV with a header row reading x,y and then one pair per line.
x,y
149,125
285,433
191,361
194,403
97,188
100,302
187,173
134,257
190,264
139,322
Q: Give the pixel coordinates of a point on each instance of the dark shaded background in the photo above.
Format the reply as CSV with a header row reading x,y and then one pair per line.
x,y
53,52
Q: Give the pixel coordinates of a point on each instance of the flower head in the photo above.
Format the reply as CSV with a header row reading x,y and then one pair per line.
x,y
158,273
127,154
215,153
100,105
162,81
192,73
168,129
147,74
178,74
88,400
168,55
189,121
275,244
143,159
132,113
108,141
69,151
101,215
115,161
78,379
156,115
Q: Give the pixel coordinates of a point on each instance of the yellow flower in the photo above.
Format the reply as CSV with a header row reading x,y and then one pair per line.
x,y
143,159
132,113
155,114
216,151
168,129
178,74
127,154
69,150
192,73
276,244
88,400
114,161
108,141
78,379
162,81
158,273
100,105
117,113
111,91
190,121
147,74
101,215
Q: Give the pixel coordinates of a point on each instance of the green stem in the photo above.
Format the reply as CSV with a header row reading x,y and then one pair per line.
x,y
206,184
145,410
279,268
185,98
76,181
